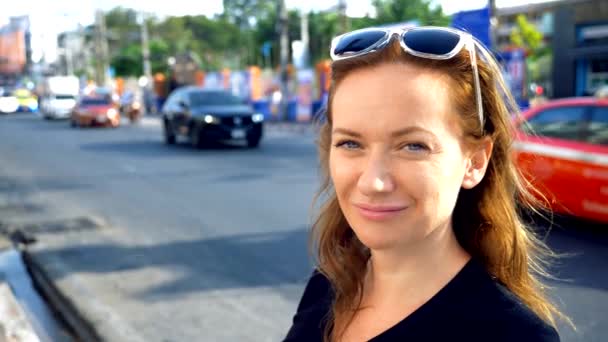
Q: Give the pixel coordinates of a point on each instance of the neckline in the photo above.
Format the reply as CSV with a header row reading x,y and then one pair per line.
x,y
444,293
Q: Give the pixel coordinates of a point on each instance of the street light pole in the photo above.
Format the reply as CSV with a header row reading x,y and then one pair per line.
x,y
283,30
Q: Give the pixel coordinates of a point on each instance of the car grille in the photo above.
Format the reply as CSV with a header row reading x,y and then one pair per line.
x,y
237,121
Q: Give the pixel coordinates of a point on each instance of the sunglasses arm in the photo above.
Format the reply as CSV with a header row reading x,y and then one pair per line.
x,y
472,53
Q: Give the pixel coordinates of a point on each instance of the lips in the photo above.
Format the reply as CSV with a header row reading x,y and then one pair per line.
x,y
379,212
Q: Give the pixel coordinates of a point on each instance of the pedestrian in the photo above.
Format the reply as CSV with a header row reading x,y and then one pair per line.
x,y
418,237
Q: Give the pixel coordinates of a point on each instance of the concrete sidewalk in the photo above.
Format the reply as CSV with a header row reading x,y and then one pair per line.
x,y
70,293
15,326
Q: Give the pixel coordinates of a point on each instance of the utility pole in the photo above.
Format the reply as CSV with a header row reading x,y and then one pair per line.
x,y
343,18
305,39
283,30
101,49
493,25
145,49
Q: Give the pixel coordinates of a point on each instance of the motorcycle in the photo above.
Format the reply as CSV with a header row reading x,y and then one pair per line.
x,y
130,108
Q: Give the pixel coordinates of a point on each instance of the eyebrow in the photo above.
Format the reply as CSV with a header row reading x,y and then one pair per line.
x,y
396,134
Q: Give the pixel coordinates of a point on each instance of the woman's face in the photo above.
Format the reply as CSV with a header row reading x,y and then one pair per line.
x,y
396,161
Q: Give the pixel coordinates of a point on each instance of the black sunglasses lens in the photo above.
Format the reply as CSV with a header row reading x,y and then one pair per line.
x,y
431,41
357,41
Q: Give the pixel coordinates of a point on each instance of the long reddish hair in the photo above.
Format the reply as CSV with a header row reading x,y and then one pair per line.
x,y
486,219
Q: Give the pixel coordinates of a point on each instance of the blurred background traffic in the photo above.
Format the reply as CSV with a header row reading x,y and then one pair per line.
x,y
198,192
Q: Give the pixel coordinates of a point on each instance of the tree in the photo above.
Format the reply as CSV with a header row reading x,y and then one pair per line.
x,y
245,13
526,35
396,11
122,28
539,56
128,61
323,27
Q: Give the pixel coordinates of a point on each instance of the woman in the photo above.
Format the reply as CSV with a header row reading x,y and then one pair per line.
x,y
419,238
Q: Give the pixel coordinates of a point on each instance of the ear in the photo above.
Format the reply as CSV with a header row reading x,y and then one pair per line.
x,y
477,163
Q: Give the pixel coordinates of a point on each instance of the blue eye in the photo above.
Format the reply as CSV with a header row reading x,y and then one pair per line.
x,y
347,144
416,147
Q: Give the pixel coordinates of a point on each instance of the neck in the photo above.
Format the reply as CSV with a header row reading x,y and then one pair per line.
x,y
428,265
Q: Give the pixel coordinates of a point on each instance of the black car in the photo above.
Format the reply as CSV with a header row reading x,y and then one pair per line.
x,y
204,115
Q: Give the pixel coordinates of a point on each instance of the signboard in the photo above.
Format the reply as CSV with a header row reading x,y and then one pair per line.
x,y
305,79
514,71
476,22
12,52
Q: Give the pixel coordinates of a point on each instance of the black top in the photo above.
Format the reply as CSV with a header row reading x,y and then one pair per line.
x,y
471,307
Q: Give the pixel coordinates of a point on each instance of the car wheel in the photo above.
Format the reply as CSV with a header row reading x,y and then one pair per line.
x,y
169,136
253,142
196,139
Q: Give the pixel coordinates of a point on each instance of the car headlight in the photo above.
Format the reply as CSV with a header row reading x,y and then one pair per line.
x,y
257,117
210,119
112,112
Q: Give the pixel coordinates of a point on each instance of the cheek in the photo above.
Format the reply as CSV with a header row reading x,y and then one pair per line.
x,y
435,182
343,174
447,183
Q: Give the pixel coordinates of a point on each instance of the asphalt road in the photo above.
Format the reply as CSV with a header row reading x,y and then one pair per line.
x,y
211,244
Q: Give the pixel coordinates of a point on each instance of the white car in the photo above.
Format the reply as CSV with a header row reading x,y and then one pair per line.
x,y
8,102
58,106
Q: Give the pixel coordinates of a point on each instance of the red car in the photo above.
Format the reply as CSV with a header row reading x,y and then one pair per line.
x,y
562,149
95,111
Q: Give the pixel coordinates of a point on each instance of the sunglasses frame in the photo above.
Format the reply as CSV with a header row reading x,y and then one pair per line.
x,y
466,41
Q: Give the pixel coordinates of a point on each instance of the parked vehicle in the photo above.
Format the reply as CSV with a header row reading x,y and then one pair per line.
x,y
562,149
95,111
204,115
59,96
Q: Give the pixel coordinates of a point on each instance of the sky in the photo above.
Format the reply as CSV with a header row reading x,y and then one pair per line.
x,y
48,18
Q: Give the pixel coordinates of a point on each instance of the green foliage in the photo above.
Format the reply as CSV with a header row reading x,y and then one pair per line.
x,y
235,38
526,35
396,11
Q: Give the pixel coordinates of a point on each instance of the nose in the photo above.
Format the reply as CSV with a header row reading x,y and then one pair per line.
x,y
376,177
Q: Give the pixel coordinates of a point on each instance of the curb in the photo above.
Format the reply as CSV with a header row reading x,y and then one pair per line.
x,y
89,320
71,316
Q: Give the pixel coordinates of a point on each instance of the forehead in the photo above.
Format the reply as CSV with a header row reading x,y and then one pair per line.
x,y
393,96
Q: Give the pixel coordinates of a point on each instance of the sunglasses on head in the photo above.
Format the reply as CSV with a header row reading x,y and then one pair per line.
x,y
426,42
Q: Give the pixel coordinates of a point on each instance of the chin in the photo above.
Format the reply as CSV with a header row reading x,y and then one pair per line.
x,y
378,237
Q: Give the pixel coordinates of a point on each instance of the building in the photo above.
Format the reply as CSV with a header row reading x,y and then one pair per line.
x,y
15,49
577,31
74,53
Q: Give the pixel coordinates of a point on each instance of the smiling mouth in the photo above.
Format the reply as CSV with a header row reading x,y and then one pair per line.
x,y
379,213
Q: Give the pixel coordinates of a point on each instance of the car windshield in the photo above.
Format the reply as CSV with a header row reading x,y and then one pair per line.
x,y
213,98
91,101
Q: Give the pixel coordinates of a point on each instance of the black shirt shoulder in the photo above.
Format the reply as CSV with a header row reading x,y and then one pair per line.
x,y
503,316
311,315
471,307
